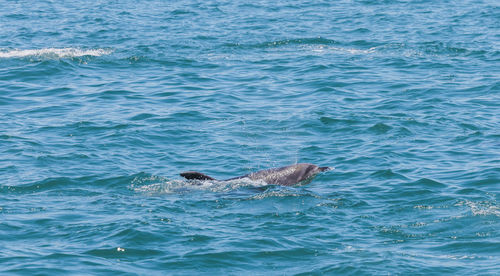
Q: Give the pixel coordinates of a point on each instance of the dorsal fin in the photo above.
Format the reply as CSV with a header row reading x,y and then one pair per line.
x,y
196,175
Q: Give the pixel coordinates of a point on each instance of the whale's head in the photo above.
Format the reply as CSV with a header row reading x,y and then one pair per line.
x,y
311,170
305,172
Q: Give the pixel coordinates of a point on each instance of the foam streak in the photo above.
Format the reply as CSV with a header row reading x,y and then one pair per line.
x,y
53,53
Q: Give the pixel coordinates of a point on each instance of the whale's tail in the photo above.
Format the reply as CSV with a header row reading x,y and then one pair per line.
x,y
191,175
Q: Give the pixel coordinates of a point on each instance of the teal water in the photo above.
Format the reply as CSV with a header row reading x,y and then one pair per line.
x,y
104,103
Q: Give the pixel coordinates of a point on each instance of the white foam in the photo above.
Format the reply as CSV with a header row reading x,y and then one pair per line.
x,y
481,208
156,185
53,53
322,49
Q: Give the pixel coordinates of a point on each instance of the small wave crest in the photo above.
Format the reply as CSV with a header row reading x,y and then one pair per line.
x,y
53,53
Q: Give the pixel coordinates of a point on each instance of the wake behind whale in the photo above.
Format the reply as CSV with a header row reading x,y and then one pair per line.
x,y
285,176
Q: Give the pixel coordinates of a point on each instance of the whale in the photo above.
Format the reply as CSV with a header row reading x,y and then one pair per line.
x,y
285,176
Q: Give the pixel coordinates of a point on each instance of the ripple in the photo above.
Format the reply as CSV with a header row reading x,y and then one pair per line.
x,y
388,174
124,253
425,182
380,128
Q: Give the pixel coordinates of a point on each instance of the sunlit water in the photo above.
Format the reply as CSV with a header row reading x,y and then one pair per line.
x,y
103,104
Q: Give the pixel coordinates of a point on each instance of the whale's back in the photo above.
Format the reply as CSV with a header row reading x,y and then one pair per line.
x,y
289,175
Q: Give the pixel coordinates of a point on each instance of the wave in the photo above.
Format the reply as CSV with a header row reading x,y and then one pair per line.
x,y
284,42
85,184
318,45
53,52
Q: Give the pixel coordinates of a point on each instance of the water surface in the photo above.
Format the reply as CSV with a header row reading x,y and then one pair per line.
x,y
102,104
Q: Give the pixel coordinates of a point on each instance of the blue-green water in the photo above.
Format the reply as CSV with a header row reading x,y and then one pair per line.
x,y
103,103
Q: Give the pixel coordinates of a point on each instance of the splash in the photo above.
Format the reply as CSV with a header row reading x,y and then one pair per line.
x,y
53,53
156,185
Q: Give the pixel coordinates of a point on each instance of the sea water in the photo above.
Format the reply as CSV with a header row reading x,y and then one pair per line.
x,y
104,103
